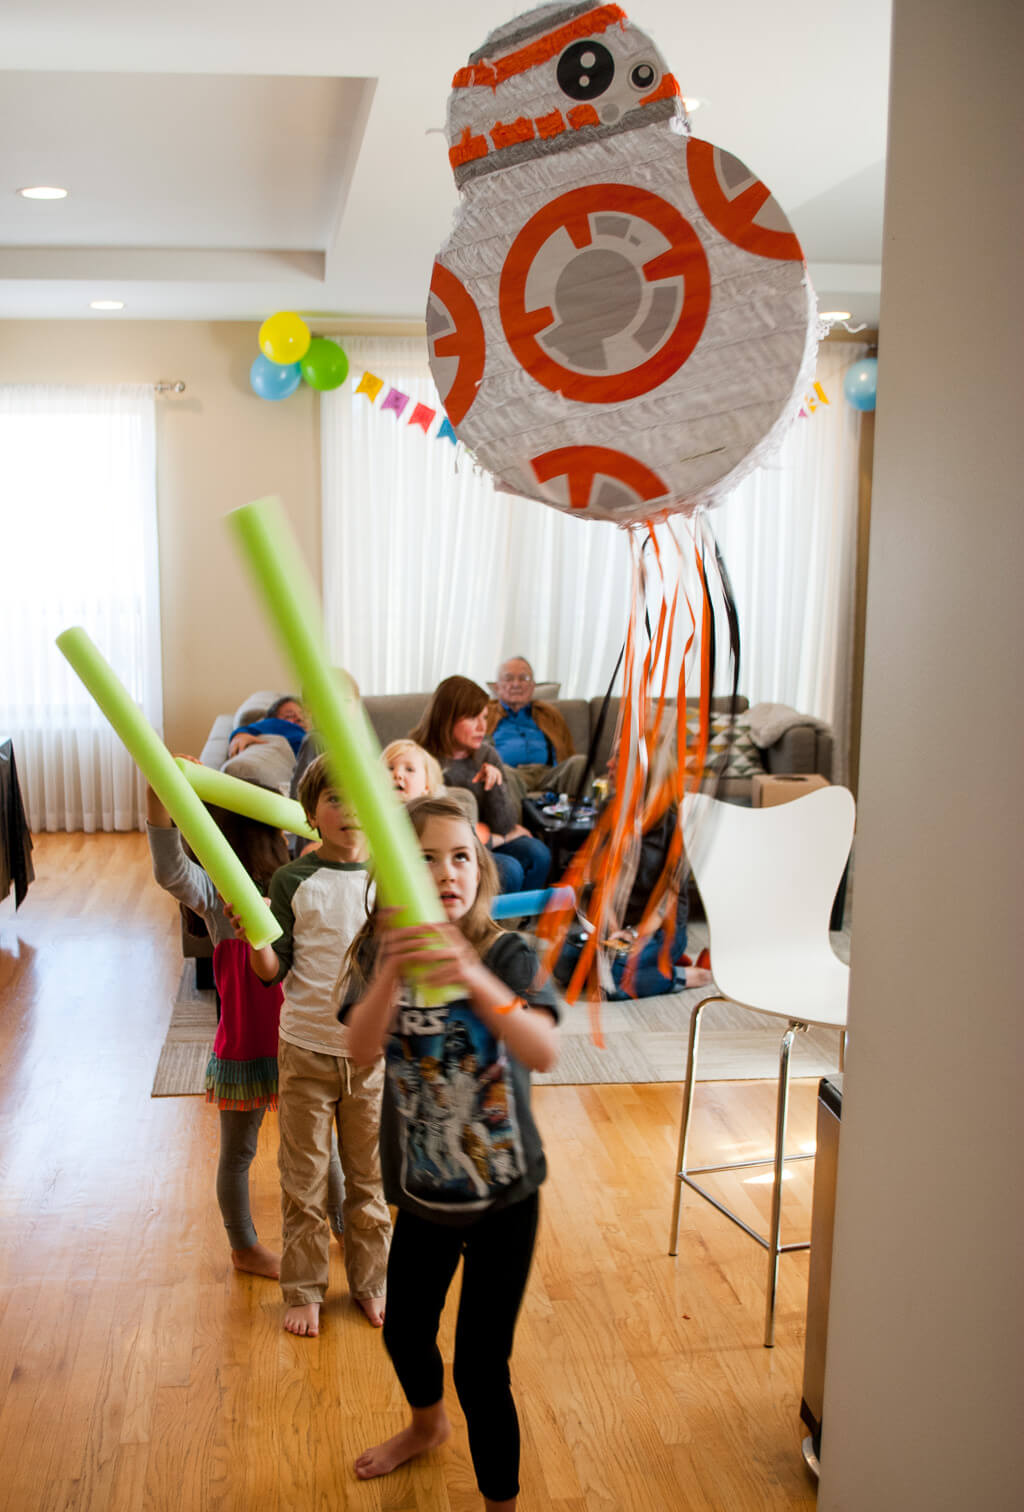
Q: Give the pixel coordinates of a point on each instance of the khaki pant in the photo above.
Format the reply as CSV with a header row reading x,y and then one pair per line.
x,y
535,778
314,1092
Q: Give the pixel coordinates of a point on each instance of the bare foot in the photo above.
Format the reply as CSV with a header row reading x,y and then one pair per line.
x,y
257,1260
304,1320
373,1307
696,976
429,1429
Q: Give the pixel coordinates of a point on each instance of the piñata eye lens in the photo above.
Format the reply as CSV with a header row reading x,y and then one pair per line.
x,y
642,76
585,70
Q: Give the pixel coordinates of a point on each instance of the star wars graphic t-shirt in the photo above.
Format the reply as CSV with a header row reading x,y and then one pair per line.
x,y
457,1134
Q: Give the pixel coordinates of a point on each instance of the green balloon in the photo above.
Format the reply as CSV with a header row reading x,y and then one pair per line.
x,y
325,365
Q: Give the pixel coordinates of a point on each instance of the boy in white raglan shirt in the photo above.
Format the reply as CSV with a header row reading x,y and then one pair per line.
x,y
321,901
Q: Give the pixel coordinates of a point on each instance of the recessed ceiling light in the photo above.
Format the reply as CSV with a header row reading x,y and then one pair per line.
x,y
43,191
835,315
106,304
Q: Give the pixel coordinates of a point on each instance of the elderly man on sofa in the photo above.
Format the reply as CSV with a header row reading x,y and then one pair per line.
x,y
530,736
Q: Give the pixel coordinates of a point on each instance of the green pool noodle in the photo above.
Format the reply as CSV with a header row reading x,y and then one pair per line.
x,y
352,748
160,770
247,798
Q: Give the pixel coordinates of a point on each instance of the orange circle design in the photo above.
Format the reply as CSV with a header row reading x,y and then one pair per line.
x,y
683,258
580,465
466,342
735,218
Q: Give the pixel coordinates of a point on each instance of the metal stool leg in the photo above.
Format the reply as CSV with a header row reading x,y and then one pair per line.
x,y
684,1122
781,1115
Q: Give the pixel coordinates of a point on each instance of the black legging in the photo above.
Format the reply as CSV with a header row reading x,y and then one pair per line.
x,y
498,1248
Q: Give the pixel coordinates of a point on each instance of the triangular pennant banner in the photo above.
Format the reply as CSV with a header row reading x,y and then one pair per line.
x,y
370,385
396,401
422,416
446,430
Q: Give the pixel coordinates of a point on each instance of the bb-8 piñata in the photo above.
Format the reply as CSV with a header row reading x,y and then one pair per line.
x,y
620,323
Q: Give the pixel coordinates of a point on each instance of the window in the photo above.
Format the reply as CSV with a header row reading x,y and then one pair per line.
x,y
78,500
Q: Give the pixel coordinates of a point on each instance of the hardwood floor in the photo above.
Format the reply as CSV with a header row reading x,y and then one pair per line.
x,y
138,1372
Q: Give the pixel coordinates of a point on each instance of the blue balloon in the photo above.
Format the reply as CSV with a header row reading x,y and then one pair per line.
x,y
274,380
861,382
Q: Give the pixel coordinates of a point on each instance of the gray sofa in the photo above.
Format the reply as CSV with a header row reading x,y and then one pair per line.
x,y
804,747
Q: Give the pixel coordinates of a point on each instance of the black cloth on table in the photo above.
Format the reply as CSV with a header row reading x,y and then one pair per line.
x,y
15,838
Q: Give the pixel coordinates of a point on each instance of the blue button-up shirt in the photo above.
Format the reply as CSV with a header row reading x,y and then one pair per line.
x,y
519,741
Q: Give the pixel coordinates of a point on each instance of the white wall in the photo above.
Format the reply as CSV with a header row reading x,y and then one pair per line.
x,y
923,1392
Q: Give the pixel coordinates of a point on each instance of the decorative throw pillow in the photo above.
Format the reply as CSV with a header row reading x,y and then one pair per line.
x,y
547,692
252,708
269,762
731,750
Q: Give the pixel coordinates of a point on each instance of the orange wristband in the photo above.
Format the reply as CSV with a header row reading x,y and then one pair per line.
x,y
510,1007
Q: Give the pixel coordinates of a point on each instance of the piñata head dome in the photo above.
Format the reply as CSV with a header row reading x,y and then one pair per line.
x,y
620,323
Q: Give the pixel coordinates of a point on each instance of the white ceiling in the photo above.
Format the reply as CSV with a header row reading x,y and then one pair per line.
x,y
229,158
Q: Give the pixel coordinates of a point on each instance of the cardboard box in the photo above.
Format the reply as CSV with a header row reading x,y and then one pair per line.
x,y
767,791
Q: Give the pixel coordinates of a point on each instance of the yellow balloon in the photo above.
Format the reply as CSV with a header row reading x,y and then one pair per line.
x,y
284,337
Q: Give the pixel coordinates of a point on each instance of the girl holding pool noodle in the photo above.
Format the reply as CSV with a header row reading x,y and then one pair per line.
x,y
241,1075
460,1154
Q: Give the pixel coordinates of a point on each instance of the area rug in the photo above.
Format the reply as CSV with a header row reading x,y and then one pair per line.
x,y
181,1069
644,1039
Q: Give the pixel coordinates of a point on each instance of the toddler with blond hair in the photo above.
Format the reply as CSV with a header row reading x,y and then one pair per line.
x,y
417,774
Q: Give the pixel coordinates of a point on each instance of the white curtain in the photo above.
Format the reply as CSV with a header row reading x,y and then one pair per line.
x,y
78,497
789,538
429,571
